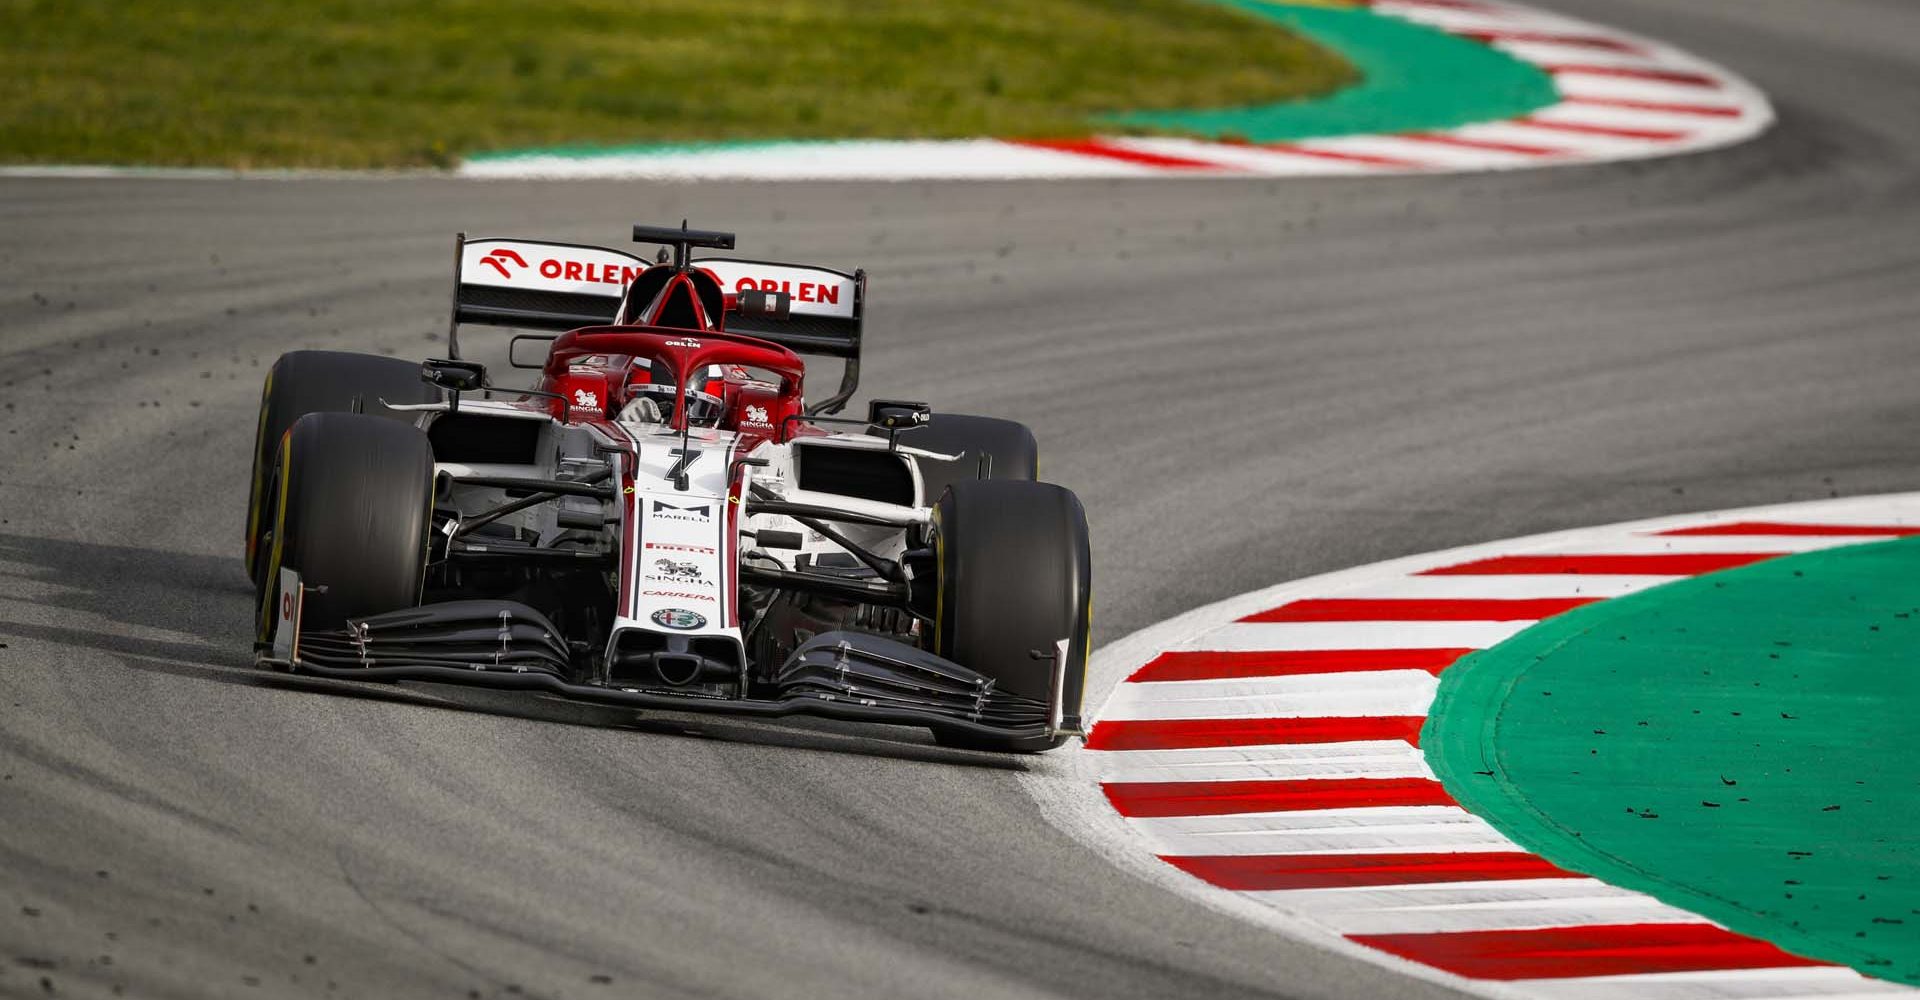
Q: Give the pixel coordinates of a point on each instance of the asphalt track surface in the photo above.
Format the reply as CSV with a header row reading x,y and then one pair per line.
x,y
1246,382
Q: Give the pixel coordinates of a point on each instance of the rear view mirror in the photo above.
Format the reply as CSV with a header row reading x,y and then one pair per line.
x,y
897,415
454,376
768,305
544,340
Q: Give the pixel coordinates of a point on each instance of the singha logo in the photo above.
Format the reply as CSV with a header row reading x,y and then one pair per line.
x,y
590,400
676,570
756,414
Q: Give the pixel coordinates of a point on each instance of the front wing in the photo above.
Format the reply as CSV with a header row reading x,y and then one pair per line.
x,y
853,676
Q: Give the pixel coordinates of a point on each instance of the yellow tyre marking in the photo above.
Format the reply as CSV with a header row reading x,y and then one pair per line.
x,y
272,575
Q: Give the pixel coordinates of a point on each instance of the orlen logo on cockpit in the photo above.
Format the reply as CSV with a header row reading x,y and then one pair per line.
x,y
554,269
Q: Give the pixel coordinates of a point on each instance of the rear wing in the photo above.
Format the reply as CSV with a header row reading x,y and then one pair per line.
x,y
540,285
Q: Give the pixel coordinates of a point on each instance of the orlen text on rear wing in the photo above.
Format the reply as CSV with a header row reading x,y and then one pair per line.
x,y
537,285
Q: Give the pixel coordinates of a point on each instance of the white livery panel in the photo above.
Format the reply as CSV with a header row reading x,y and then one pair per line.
x,y
680,577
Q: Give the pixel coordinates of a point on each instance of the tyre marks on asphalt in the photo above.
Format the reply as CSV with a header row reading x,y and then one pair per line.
x,y
1268,748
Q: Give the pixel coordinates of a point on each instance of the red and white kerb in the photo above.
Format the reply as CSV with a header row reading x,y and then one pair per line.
x,y
1267,748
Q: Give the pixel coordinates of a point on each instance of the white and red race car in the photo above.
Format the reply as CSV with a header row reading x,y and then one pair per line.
x,y
660,520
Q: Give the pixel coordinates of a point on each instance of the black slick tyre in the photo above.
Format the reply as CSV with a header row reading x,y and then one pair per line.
x,y
1015,577
304,382
351,505
1010,450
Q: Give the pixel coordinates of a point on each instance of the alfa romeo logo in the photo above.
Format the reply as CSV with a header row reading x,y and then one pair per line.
x,y
679,618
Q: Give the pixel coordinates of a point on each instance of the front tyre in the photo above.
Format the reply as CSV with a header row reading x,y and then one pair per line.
x,y
352,505
303,382
1015,576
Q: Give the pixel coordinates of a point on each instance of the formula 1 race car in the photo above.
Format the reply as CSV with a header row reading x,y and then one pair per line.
x,y
660,521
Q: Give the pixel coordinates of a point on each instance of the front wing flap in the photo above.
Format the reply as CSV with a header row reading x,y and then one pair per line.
x,y
872,670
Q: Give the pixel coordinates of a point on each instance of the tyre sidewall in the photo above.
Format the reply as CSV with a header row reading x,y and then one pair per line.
x,y
1015,575
353,506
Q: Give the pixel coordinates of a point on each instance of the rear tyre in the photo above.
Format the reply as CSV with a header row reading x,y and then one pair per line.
x,y
351,507
304,382
1014,576
1011,450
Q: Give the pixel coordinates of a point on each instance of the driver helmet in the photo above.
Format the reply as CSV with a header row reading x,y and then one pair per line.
x,y
652,395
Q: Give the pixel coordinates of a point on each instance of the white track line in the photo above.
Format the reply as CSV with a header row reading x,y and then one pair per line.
x,y
1397,692
1447,829
1741,984
1566,908
1366,759
1353,635
1516,586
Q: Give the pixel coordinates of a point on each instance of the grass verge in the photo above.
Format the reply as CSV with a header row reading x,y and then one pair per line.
x,y
373,83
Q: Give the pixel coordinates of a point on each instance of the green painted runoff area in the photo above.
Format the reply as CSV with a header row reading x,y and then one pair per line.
x,y
1413,78
1744,744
